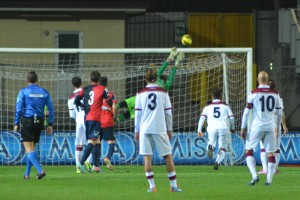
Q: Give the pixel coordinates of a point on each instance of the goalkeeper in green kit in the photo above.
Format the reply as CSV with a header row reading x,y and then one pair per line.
x,y
162,81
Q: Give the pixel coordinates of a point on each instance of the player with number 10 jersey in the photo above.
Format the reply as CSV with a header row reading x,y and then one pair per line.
x,y
266,102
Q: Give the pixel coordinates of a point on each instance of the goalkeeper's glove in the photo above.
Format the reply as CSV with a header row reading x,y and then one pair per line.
x,y
173,54
179,58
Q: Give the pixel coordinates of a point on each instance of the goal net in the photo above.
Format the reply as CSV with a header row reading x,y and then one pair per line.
x,y
200,72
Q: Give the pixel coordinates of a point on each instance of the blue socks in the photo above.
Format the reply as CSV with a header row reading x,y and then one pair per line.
x,y
111,148
86,153
28,167
33,159
96,155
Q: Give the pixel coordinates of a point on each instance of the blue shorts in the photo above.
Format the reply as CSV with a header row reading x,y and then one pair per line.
x,y
93,130
108,133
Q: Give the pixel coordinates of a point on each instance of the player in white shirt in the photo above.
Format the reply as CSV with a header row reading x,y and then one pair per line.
x,y
78,114
153,128
265,105
217,114
263,155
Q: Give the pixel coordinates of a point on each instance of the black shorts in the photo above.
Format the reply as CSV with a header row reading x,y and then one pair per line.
x,y
108,133
93,130
31,129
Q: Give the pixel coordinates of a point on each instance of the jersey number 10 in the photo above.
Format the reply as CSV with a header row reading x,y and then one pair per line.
x,y
268,103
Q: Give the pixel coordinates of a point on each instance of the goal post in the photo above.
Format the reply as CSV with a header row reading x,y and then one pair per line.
x,y
201,70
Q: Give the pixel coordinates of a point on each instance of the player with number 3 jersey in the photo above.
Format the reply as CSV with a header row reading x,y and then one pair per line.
x,y
153,128
92,96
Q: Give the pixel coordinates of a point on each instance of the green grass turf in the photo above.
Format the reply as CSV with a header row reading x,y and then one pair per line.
x,y
129,182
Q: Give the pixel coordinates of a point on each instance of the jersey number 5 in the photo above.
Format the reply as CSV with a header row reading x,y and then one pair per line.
x,y
153,104
217,112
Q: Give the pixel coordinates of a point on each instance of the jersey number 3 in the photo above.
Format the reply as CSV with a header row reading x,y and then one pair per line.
x,y
91,99
153,104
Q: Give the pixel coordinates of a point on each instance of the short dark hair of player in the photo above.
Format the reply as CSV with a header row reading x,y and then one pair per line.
x,y
32,77
103,81
216,93
76,82
164,77
95,76
151,75
271,83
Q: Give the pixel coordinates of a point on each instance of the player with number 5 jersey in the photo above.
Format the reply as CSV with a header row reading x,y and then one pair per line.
x,y
217,114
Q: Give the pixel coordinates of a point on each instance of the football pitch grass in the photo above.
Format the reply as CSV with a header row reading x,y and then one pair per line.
x,y
129,182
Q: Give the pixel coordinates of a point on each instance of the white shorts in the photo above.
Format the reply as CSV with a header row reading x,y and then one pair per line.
x,y
278,140
268,139
80,138
221,135
160,141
